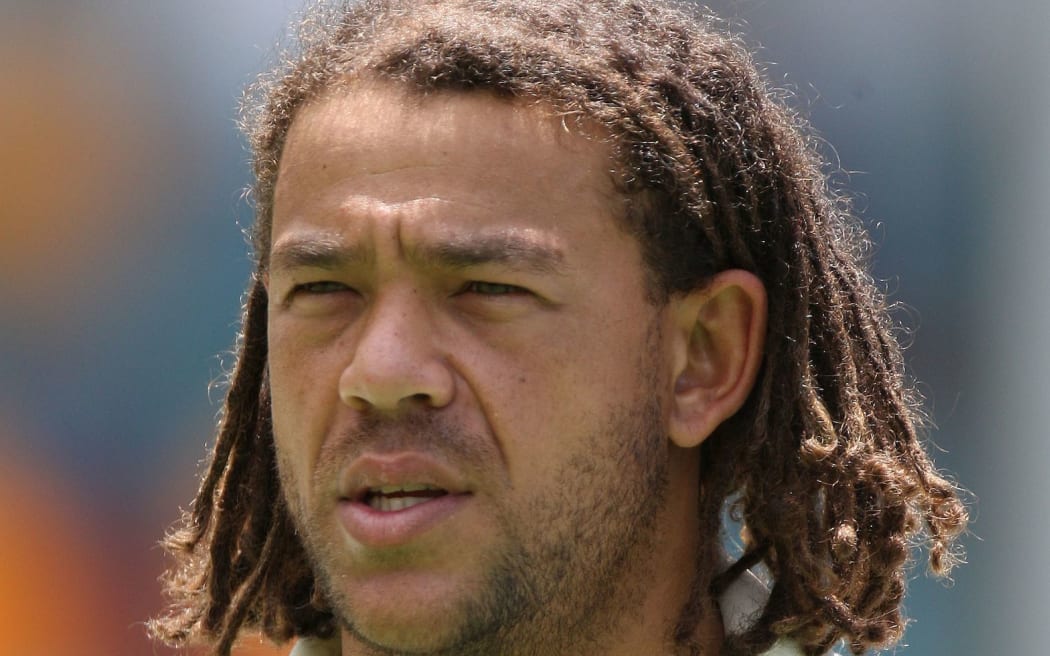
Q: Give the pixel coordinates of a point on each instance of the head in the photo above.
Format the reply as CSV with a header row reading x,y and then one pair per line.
x,y
731,348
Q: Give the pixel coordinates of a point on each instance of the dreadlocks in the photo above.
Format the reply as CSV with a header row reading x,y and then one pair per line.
x,y
824,463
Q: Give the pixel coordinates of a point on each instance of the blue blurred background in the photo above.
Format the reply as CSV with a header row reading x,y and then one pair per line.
x,y
122,264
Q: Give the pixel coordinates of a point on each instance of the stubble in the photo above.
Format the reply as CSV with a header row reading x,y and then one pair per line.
x,y
573,559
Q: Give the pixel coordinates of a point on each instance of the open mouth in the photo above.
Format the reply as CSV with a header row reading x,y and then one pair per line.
x,y
391,498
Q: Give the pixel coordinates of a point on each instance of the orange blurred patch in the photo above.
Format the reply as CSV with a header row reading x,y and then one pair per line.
x,y
61,594
55,587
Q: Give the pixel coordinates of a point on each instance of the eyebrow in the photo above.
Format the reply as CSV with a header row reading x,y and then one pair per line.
x,y
315,252
507,249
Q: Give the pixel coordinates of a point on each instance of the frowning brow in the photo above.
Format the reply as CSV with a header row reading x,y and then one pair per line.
x,y
512,250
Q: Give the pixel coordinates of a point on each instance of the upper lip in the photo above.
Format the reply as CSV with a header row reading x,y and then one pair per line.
x,y
374,470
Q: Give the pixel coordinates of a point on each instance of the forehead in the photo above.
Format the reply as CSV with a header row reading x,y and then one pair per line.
x,y
468,147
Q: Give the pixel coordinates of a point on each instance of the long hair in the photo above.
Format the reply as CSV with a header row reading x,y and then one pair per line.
x,y
824,463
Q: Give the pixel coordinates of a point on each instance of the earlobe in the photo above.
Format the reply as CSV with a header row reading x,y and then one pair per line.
x,y
719,338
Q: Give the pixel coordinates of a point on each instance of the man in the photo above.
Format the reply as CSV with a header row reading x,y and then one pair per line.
x,y
543,288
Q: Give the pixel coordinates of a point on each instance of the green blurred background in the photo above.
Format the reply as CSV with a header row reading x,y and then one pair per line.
x,y
122,264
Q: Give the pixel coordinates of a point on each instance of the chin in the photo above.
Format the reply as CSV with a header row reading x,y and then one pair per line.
x,y
409,615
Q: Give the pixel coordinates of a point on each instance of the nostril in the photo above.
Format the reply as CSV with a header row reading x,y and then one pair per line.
x,y
372,380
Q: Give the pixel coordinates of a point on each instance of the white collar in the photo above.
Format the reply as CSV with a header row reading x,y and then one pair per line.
x,y
740,604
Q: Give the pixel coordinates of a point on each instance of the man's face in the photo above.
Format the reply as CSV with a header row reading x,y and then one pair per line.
x,y
468,381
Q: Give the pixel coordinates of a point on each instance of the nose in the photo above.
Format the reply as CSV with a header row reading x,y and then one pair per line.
x,y
396,361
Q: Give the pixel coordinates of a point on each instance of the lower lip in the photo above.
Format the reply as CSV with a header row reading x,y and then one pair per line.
x,y
377,529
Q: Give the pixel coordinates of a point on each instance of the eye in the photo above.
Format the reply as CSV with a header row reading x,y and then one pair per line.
x,y
316,294
319,287
483,288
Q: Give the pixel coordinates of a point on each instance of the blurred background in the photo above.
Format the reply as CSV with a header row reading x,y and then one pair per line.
x,y
122,263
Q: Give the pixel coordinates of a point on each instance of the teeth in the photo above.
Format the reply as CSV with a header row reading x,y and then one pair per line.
x,y
390,498
408,487
391,504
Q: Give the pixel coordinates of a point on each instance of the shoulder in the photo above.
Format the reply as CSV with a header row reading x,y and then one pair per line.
x,y
790,648
316,647
785,648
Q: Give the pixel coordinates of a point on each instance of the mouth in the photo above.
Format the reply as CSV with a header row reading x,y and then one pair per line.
x,y
394,498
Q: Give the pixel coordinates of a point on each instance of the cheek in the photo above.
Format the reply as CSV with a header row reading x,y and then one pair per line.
x,y
554,396
592,368
304,397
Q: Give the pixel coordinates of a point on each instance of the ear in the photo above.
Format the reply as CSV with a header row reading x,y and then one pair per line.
x,y
717,350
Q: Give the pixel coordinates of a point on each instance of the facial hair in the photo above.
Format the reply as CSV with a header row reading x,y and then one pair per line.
x,y
572,560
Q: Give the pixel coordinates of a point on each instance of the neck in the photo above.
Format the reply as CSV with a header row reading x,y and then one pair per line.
x,y
674,613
